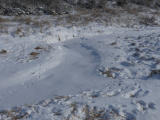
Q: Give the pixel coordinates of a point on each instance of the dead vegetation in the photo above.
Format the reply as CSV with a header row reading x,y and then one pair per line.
x,y
128,16
34,55
62,97
18,31
110,72
146,20
41,24
14,114
39,48
107,72
3,20
74,107
93,113
113,43
3,51
87,112
154,72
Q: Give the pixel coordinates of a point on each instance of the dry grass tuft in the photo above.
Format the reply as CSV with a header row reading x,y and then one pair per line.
x,y
41,24
14,114
57,113
62,97
94,113
39,48
113,43
110,11
154,72
74,107
28,21
116,115
107,72
3,51
146,20
18,31
3,20
34,53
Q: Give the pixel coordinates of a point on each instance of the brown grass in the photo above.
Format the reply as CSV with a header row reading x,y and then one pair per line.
x,y
154,72
62,97
107,72
74,107
14,114
28,21
113,43
34,53
146,20
3,20
41,24
57,113
110,11
18,31
93,113
39,48
3,51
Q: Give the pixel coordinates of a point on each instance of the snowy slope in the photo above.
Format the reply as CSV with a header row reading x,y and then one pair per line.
x,y
89,74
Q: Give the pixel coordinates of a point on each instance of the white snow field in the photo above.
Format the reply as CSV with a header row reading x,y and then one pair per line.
x,y
86,73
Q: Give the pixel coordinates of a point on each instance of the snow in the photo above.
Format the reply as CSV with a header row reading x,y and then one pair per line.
x,y
85,72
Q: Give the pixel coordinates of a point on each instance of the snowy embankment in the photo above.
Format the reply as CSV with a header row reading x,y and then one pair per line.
x,y
81,73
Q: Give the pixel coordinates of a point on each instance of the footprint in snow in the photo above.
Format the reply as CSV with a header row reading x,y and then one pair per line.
x,y
143,106
136,93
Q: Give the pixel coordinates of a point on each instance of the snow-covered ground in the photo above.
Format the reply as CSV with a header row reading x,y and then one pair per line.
x,y
81,73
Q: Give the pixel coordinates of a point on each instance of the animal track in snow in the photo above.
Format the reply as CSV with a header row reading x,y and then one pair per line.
x,y
136,93
143,106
